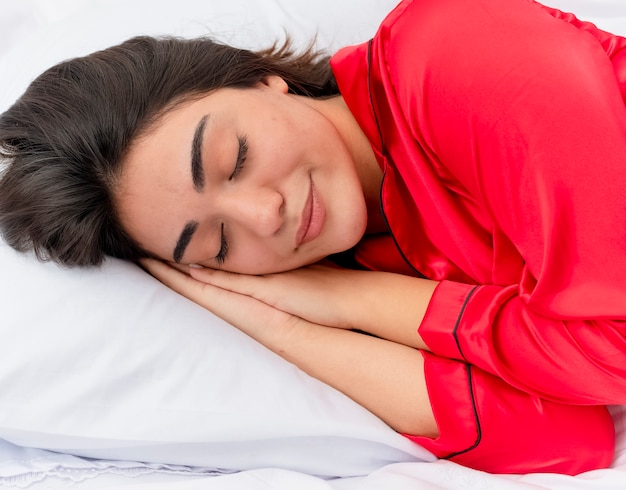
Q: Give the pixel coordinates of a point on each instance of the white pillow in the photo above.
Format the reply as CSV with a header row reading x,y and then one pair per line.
x,y
108,363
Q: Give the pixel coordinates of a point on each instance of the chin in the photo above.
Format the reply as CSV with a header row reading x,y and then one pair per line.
x,y
358,229
351,235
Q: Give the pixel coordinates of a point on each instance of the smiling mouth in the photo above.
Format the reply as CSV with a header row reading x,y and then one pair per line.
x,y
313,216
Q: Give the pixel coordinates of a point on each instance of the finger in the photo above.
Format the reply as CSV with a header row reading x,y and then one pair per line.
x,y
181,267
175,278
239,283
242,311
146,263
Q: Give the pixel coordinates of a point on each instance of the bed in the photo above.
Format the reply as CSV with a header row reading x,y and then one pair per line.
x,y
110,380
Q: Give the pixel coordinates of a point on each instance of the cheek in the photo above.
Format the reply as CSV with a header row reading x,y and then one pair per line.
x,y
257,260
251,257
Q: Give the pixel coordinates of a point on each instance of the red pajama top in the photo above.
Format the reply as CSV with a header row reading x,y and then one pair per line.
x,y
501,129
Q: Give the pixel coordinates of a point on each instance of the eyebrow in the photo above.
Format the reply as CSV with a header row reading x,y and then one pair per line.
x,y
197,176
183,240
197,170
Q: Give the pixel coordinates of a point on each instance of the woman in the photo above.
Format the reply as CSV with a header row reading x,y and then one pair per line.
x,y
462,168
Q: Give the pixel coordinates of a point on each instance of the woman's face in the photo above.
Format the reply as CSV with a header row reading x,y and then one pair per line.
x,y
251,180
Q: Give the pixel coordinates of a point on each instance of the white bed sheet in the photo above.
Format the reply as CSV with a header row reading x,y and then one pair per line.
x,y
441,475
29,468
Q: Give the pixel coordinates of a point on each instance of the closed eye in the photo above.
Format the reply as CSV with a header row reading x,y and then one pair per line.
x,y
221,255
242,154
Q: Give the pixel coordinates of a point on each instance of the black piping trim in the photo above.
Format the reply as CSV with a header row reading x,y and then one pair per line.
x,y
468,367
458,321
383,149
393,237
369,88
479,435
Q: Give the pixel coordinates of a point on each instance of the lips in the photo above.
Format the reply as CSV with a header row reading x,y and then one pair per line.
x,y
313,216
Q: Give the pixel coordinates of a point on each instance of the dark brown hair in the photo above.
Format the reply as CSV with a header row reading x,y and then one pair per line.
x,y
64,140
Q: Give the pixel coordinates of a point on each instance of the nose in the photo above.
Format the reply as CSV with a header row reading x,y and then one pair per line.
x,y
259,209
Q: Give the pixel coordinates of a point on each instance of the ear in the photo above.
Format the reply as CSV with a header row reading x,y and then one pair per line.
x,y
274,82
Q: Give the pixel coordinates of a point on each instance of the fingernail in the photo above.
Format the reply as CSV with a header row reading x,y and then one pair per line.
x,y
195,266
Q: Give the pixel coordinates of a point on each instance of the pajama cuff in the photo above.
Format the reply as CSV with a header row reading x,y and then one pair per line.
x,y
443,317
451,397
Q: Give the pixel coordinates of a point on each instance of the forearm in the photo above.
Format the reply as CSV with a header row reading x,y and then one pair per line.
x,y
385,377
387,305
395,308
